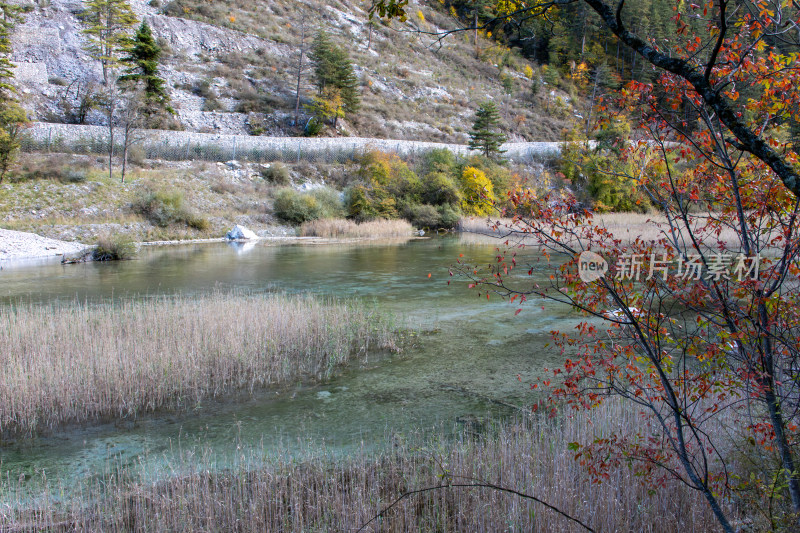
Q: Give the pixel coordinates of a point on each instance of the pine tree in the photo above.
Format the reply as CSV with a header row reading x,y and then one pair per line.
x,y
9,16
108,23
483,136
143,58
334,77
322,55
345,80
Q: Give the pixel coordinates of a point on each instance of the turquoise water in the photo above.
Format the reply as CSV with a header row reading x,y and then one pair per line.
x,y
471,357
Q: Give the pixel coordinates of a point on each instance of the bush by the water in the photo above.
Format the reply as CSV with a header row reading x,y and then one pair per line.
x,y
388,188
296,207
114,248
163,208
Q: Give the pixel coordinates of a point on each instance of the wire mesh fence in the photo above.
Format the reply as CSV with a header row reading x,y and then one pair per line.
x,y
191,146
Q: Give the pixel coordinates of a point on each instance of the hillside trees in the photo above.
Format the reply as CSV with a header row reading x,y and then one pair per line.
x,y
131,99
335,80
698,327
142,69
108,24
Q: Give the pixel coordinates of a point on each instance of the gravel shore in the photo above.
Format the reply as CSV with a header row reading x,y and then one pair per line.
x,y
21,245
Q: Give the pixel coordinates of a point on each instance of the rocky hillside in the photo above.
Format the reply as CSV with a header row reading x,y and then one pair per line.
x,y
231,67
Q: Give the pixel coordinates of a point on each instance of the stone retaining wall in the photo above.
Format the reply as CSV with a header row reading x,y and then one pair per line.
x,y
184,145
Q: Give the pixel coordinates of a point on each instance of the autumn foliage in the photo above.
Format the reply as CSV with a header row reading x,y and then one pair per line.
x,y
696,330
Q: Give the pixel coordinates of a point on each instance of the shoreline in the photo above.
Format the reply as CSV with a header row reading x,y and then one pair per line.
x,y
20,247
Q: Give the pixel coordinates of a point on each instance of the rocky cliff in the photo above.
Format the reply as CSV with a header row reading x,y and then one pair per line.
x,y
232,78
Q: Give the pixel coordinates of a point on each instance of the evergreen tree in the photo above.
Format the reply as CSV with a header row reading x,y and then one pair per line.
x,y
108,22
9,16
322,54
143,58
335,79
483,136
345,80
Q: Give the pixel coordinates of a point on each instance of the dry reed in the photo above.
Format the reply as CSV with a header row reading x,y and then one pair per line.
x,y
326,494
71,363
624,226
340,228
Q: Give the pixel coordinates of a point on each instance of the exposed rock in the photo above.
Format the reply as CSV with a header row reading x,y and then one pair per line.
x,y
240,233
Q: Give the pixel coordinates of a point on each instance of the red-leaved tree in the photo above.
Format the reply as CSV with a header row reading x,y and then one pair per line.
x,y
698,327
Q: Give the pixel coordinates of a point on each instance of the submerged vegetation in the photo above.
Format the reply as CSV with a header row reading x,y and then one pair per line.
x,y
78,362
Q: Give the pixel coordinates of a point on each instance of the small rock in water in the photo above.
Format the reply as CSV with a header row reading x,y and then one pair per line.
x,y
324,395
240,233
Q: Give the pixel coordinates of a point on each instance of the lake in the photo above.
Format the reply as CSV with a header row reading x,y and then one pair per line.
x,y
468,358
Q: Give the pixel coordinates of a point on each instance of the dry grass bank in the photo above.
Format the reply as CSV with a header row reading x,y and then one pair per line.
x,y
72,363
341,228
325,494
624,226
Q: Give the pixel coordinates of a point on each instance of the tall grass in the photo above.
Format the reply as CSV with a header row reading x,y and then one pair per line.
x,y
337,227
77,362
327,494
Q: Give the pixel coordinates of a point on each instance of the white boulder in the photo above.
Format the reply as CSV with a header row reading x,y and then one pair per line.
x,y
240,233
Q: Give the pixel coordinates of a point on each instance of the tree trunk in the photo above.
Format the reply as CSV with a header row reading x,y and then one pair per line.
x,y
300,72
110,144
775,414
125,142
477,46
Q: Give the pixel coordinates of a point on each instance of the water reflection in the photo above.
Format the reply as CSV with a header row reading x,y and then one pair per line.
x,y
242,248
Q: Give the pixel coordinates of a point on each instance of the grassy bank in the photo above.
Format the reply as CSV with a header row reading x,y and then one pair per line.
x,y
76,362
326,494
342,228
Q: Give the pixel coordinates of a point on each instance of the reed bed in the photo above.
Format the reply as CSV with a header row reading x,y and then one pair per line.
x,y
326,494
79,362
341,228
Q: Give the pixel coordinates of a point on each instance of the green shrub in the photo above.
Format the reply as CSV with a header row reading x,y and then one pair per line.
x,y
73,176
163,208
276,173
330,202
422,216
114,248
439,160
448,216
297,207
440,189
